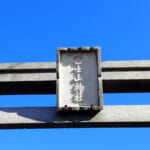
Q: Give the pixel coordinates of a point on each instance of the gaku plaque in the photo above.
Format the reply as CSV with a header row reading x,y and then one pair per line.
x,y
79,82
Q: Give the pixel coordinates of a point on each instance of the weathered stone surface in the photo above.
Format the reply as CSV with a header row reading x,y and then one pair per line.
x,y
47,117
40,78
85,78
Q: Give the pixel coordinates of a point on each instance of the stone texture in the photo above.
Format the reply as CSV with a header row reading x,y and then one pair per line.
x,y
47,117
89,75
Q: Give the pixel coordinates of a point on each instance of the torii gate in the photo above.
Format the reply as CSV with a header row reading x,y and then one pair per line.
x,y
40,78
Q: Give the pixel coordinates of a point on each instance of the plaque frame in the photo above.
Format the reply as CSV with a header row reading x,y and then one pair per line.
x,y
80,50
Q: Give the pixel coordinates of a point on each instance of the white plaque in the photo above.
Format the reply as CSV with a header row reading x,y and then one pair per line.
x,y
79,83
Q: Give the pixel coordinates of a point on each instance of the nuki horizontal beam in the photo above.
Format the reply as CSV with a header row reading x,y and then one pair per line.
x,y
48,117
40,78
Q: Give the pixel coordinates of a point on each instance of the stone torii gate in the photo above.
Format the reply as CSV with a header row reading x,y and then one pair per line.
x,y
40,78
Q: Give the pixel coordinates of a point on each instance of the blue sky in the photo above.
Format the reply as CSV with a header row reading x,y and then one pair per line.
x,y
31,30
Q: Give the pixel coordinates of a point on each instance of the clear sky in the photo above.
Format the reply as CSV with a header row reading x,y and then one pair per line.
x,y
31,30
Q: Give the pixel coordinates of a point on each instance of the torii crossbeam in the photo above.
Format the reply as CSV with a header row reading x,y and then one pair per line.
x,y
40,78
